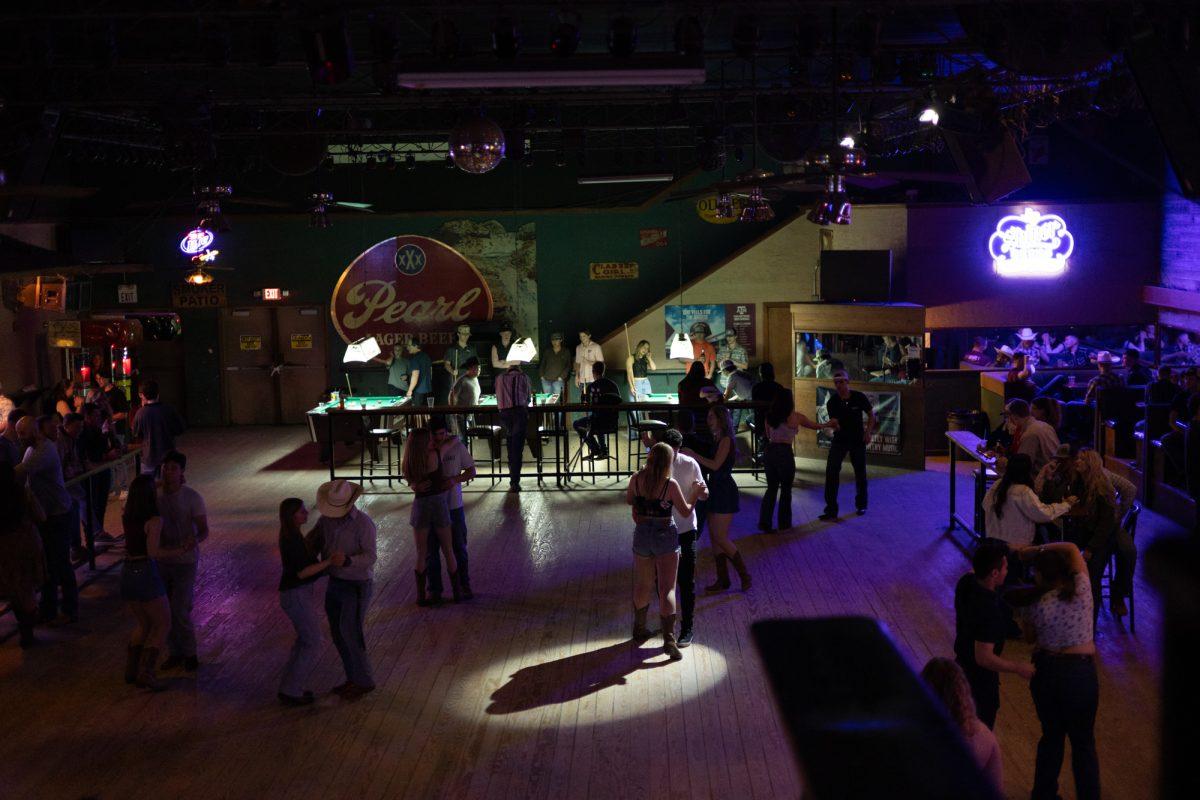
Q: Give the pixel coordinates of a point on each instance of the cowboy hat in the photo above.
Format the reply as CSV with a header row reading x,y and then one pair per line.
x,y
336,498
1063,451
1008,351
1105,357
1026,334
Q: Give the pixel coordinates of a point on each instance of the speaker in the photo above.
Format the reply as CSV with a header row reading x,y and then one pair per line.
x,y
856,276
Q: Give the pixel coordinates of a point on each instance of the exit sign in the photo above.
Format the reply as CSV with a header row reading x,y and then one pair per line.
x,y
271,294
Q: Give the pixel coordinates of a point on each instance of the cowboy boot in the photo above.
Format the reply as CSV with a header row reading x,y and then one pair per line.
x,y
133,657
146,678
456,587
422,599
743,573
670,647
640,631
722,562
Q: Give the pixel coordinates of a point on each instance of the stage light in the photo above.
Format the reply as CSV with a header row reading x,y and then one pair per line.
x,y
506,38
689,36
565,39
410,161
847,141
929,116
622,37
833,208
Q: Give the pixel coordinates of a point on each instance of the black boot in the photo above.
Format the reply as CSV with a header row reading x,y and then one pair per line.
x,y
743,573
722,583
640,631
133,658
456,587
422,599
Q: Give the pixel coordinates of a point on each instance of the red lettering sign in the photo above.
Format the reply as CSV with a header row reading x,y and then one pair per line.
x,y
409,285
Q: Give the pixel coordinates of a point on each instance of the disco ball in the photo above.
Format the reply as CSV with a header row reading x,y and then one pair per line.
x,y
477,145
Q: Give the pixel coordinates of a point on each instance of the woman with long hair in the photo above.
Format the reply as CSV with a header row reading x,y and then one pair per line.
x,y
421,465
1099,517
653,493
22,559
695,380
1048,410
638,366
1011,507
783,424
946,679
65,399
142,587
722,497
299,600
1057,613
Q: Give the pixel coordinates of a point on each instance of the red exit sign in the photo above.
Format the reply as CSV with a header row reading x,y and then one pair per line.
x,y
272,294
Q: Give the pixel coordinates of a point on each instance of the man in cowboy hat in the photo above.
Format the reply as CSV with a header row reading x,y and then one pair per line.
x,y
1027,346
347,532
1107,379
1004,355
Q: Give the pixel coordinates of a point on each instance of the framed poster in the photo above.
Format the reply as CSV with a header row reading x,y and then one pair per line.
x,y
885,438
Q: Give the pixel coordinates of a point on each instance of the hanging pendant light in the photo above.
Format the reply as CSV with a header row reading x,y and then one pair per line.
x,y
833,208
757,209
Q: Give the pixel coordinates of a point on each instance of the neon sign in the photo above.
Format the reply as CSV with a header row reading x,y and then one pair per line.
x,y
1031,245
196,241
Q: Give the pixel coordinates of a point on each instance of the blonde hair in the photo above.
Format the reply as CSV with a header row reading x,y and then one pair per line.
x,y
414,463
723,419
1097,488
946,679
657,469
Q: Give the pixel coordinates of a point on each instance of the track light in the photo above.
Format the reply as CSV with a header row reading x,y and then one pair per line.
x,y
506,38
622,37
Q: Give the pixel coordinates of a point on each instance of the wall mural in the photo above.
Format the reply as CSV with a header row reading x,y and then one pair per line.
x,y
425,287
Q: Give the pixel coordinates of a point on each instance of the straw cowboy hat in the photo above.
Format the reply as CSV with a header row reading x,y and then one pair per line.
x,y
1105,357
1008,351
336,498
1026,334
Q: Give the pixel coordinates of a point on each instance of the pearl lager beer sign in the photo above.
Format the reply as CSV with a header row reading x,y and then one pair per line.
x,y
409,285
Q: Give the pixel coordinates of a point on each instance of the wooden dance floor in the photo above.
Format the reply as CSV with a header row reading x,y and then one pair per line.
x,y
532,690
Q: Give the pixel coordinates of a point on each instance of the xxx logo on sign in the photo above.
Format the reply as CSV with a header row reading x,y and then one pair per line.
x,y
410,260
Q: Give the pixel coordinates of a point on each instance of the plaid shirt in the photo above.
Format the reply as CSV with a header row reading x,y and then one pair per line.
x,y
512,389
1100,382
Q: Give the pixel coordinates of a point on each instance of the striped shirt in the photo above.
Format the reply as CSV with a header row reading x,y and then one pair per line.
x,y
512,389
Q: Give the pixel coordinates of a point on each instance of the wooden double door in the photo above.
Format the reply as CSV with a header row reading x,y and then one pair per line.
x,y
274,363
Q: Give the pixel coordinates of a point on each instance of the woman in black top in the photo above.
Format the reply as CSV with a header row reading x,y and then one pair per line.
x,y
692,383
298,598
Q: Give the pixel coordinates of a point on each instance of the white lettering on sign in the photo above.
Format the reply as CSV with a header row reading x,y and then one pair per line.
x,y
1031,245
377,300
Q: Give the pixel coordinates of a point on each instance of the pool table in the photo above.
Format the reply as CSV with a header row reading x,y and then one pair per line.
x,y
347,428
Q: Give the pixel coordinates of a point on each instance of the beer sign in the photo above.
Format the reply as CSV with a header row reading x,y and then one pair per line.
x,y
409,285
706,208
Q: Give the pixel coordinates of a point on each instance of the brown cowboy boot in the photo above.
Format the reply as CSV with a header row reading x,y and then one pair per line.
x,y
743,573
640,631
670,646
722,583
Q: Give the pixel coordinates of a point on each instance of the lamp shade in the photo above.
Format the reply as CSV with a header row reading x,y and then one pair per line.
x,y
522,350
363,350
681,347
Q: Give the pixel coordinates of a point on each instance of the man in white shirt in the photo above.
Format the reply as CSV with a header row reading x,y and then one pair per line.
x,y
464,392
184,525
459,467
686,472
586,354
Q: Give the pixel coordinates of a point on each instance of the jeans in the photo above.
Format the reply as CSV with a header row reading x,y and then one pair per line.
x,y
595,444
300,604
458,539
781,472
516,423
346,605
685,585
553,387
1066,694
57,537
180,582
98,487
78,508
985,690
833,470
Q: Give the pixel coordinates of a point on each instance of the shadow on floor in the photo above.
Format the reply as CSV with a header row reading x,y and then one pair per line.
x,y
573,677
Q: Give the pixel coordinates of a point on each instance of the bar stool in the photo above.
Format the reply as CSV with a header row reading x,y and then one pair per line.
x,y
385,436
606,433
637,454
491,434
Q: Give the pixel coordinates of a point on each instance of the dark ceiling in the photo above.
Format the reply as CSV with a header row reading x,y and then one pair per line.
x,y
145,103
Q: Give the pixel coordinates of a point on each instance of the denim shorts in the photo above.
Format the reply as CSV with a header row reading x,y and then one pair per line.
x,y
431,512
140,581
655,537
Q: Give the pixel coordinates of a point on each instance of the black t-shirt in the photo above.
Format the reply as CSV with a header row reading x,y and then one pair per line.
x,y
849,414
597,391
979,616
296,556
1161,392
93,444
1180,405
